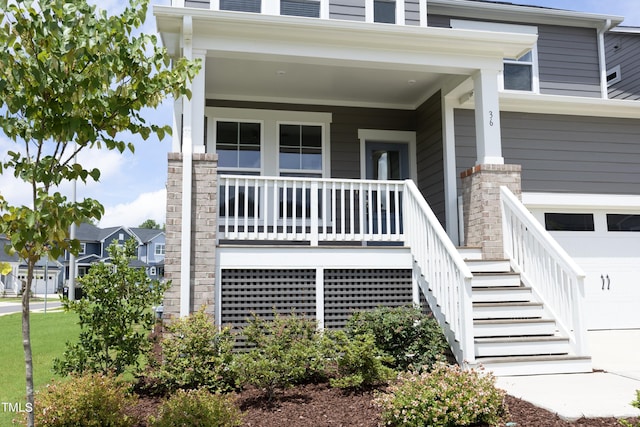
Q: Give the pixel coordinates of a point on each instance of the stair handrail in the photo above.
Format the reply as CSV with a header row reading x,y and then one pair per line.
x,y
545,266
445,278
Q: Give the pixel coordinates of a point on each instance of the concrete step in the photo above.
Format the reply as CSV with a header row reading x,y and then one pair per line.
x,y
470,252
502,294
489,265
521,346
535,365
507,310
486,280
513,327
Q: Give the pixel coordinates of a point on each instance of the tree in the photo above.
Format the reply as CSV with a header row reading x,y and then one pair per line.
x,y
71,78
151,224
114,314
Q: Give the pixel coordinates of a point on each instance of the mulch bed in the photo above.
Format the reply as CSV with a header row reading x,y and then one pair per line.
x,y
318,405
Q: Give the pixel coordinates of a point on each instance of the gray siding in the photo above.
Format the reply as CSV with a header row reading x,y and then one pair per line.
x,y
568,61
563,153
429,154
412,12
567,58
352,10
624,50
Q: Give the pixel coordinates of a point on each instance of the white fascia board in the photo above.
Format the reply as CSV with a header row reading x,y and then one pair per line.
x,y
313,257
580,201
351,34
565,105
492,11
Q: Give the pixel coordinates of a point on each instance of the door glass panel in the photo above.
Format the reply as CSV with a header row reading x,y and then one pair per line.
x,y
623,222
386,164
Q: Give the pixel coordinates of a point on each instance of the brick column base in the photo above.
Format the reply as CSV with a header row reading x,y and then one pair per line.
x,y
204,210
481,205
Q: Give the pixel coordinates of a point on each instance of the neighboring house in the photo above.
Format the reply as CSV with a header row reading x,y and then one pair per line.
x,y
95,241
334,153
151,247
46,275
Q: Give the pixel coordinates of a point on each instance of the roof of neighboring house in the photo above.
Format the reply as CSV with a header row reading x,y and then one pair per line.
x,y
88,232
4,257
145,235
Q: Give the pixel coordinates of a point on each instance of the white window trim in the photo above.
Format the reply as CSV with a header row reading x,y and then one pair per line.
x,y
617,78
213,135
269,144
507,28
83,248
324,147
388,136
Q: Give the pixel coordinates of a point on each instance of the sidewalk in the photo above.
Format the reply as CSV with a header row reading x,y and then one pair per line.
x,y
607,392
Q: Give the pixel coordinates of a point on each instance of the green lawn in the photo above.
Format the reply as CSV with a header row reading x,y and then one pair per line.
x,y
49,333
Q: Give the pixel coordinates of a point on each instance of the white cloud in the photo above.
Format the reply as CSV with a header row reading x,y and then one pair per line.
x,y
150,205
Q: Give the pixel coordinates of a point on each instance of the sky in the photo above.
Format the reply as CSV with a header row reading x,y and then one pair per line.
x,y
132,186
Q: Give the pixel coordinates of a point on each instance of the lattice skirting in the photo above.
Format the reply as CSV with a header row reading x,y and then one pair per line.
x,y
285,291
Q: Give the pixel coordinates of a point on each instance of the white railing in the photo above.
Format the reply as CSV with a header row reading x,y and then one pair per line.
x,y
260,208
546,267
442,273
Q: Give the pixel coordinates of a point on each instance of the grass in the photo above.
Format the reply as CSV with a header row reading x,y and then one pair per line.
x,y
49,333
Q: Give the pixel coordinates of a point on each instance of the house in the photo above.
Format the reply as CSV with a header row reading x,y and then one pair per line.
x,y
476,157
94,242
47,274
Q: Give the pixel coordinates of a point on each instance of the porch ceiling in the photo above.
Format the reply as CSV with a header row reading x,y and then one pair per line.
x,y
290,81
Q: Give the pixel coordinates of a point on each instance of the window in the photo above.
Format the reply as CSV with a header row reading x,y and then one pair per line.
x,y
384,11
159,249
152,271
300,150
518,73
238,145
623,222
308,8
121,237
614,75
568,222
83,249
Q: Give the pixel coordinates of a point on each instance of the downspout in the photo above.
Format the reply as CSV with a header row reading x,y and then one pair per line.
x,y
604,89
187,160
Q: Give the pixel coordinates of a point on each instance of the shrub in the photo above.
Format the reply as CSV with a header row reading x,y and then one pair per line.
x,y
196,354
89,400
115,316
412,338
196,408
288,350
359,362
636,404
445,397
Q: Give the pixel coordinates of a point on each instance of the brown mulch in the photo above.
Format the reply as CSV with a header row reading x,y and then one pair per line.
x,y
318,405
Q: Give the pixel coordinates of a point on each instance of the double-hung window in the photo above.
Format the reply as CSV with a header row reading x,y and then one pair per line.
x,y
518,73
300,149
238,144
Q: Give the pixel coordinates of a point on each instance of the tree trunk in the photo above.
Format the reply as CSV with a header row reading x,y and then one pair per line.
x,y
26,344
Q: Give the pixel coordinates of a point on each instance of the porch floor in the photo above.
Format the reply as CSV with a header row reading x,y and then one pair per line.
x,y
607,392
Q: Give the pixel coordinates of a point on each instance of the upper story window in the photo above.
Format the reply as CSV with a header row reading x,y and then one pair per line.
x,y
519,74
159,249
238,144
384,11
300,149
307,8
83,248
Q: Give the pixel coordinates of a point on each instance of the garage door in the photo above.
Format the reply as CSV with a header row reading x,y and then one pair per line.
x,y
606,244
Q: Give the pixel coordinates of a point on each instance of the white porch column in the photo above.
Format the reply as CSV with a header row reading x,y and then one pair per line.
x,y
198,101
187,158
488,138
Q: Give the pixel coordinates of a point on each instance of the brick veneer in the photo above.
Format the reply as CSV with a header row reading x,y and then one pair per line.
x,y
204,210
481,205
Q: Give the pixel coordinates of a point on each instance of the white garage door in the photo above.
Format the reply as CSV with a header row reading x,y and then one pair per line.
x,y
606,244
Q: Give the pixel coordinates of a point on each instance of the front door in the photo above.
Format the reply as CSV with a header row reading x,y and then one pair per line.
x,y
387,160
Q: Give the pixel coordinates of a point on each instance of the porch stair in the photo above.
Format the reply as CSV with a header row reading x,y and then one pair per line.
x,y
513,333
